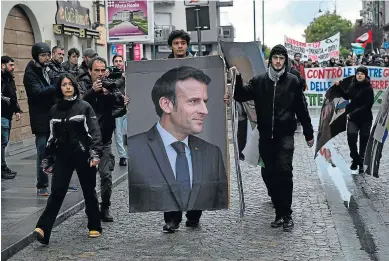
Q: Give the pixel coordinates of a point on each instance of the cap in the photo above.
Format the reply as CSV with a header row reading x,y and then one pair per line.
x,y
89,53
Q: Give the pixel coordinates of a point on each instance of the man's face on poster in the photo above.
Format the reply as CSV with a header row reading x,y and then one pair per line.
x,y
188,115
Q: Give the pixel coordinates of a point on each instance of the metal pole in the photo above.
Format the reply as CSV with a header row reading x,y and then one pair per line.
x,y
263,22
198,27
255,27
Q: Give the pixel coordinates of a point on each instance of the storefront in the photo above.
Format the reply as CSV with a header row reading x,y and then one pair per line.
x,y
63,23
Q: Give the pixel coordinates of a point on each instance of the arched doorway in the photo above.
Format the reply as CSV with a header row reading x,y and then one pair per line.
x,y
17,42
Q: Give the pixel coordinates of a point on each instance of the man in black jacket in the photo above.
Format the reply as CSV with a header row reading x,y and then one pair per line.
x,y
55,68
103,96
71,65
278,98
9,106
41,97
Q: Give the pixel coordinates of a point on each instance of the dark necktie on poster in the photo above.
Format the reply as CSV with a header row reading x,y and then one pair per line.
x,y
182,171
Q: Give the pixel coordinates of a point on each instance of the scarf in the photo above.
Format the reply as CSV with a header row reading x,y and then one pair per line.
x,y
274,75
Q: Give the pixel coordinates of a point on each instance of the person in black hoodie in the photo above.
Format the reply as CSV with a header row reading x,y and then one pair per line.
x,y
9,107
74,144
41,97
359,115
278,98
103,95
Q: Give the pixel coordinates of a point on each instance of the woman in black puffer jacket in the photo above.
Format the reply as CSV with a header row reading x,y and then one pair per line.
x,y
359,115
74,144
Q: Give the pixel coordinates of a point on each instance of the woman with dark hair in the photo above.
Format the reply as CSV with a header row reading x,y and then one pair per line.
x,y
74,144
359,115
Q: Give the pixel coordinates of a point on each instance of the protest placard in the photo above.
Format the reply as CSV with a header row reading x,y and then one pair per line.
x,y
319,80
317,51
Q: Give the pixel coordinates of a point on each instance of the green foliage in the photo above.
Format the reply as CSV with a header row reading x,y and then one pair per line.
x,y
326,26
344,52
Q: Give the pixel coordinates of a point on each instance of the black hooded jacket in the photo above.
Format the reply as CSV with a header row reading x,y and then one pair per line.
x,y
9,100
41,98
276,105
55,70
361,96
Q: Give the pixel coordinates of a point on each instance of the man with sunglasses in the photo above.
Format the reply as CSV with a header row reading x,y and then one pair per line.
x,y
278,98
41,97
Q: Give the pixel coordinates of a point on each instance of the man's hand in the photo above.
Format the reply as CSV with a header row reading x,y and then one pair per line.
x,y
310,143
226,97
124,75
97,86
233,68
105,91
94,162
126,100
337,83
106,74
17,116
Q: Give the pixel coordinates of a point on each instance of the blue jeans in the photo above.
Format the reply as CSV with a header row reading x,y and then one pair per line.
x,y
5,131
41,177
121,128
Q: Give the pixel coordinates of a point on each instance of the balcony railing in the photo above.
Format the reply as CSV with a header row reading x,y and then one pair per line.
x,y
161,33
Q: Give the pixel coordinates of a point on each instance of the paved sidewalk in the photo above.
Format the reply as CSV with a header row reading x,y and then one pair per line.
x,y
21,207
222,235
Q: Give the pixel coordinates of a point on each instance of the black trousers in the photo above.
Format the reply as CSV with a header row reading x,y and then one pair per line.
x,y
64,167
277,156
106,166
176,216
353,129
242,135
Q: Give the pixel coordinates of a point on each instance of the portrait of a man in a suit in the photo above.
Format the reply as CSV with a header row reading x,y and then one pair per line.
x,y
170,169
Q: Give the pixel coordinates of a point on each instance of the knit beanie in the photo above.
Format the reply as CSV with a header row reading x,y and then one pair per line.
x,y
363,70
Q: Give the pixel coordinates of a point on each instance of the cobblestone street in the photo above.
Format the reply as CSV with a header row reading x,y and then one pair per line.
x,y
222,236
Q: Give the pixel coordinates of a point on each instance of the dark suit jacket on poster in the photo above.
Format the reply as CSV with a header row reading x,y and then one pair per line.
x,y
152,184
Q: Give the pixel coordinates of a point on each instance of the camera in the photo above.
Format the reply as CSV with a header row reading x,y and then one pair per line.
x,y
115,73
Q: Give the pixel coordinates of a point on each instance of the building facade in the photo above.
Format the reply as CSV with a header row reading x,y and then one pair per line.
x,y
63,23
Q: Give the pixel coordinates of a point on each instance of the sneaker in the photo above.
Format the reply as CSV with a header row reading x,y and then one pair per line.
x,y
278,222
43,192
288,224
94,233
354,165
10,171
72,188
6,175
39,235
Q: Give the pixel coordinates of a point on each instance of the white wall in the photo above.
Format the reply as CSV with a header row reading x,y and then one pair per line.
x,y
178,13
42,17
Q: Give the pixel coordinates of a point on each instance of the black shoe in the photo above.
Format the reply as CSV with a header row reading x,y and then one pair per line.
x,y
105,215
354,165
241,156
277,223
192,223
123,162
11,171
170,227
288,224
5,174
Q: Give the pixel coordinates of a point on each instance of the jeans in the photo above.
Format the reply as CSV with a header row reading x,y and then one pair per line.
x,y
41,177
121,128
5,131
